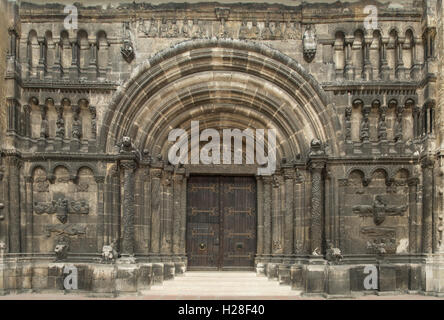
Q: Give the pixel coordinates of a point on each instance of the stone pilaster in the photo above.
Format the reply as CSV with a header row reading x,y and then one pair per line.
x,y
128,167
29,214
427,213
100,180
14,164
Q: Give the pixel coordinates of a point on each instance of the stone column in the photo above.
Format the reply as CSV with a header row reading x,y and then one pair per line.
x,y
289,211
367,69
92,68
400,69
100,180
14,164
13,115
183,220
260,215
41,67
427,214
178,211
299,212
415,112
155,209
167,214
349,70
385,69
27,121
267,214
316,206
74,69
128,167
57,66
276,218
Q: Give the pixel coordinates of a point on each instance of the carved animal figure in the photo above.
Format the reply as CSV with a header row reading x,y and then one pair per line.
x,y
109,252
333,254
61,251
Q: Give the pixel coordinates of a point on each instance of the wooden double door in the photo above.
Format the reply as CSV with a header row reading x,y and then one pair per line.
x,y
221,223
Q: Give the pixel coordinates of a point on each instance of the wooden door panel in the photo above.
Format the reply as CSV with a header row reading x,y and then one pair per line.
x,y
203,222
238,202
221,222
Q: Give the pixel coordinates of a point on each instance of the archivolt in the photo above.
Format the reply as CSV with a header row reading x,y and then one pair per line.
x,y
247,84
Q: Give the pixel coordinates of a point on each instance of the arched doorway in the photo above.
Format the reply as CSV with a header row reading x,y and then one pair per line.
x,y
223,84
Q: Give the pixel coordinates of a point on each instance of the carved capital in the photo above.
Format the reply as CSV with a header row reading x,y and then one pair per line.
x,y
128,165
317,165
156,173
427,163
413,182
99,179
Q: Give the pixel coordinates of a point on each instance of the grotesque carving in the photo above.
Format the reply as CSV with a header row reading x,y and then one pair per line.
x,y
309,43
316,148
333,255
379,210
61,249
127,146
127,51
109,252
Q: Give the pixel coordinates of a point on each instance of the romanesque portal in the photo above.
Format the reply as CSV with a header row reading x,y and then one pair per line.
x,y
87,112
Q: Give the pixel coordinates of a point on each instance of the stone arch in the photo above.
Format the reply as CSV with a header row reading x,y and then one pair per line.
x,y
202,77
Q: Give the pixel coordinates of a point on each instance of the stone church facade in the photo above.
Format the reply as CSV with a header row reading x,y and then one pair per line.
x,y
86,113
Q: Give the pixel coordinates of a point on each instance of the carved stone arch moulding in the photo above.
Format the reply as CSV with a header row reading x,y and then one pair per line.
x,y
290,85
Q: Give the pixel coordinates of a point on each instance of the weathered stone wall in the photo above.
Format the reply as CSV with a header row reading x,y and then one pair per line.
x,y
358,113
